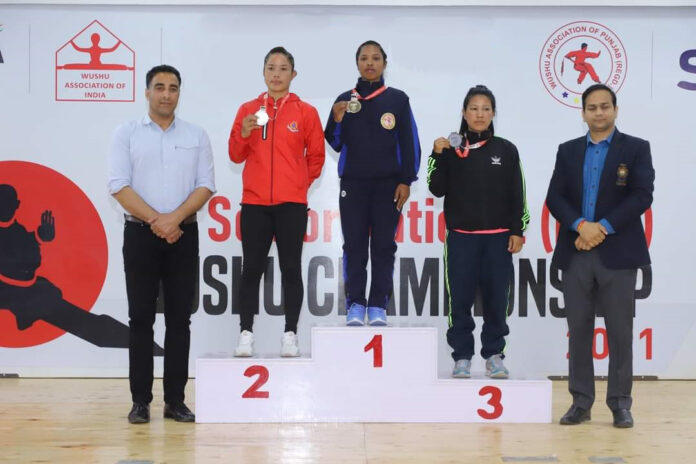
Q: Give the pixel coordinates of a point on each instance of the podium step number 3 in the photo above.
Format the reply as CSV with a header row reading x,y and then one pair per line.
x,y
361,375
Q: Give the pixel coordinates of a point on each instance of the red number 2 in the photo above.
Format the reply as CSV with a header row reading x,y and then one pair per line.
x,y
253,391
496,396
376,345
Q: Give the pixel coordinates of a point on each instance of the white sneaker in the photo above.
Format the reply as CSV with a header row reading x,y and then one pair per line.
x,y
495,368
288,345
245,345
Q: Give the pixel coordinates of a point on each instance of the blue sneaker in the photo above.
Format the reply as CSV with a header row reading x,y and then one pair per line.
x,y
356,315
462,369
376,316
495,368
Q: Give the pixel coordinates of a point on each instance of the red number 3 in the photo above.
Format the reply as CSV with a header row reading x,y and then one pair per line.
x,y
253,391
496,396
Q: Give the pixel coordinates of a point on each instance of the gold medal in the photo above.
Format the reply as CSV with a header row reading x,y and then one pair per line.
x,y
354,104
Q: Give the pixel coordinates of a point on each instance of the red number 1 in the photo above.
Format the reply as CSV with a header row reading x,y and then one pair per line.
x,y
376,345
647,334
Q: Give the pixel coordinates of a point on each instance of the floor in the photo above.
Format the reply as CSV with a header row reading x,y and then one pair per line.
x,y
84,421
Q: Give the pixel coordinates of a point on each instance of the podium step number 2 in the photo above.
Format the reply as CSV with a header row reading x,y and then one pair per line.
x,y
361,375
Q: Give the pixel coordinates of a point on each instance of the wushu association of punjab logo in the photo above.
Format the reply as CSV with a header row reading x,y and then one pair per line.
x,y
578,55
95,65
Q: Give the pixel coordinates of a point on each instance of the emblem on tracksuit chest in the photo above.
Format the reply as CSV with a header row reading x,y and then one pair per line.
x,y
292,127
496,161
388,121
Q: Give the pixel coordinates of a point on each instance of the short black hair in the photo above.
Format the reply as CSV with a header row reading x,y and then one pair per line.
x,y
282,51
371,42
477,90
162,68
594,88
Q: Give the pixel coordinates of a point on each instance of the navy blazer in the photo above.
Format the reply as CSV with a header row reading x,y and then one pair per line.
x,y
625,193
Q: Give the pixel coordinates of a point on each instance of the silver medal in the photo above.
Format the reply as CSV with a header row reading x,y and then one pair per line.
x,y
455,139
262,116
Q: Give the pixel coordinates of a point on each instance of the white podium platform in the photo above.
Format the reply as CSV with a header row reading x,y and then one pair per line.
x,y
357,374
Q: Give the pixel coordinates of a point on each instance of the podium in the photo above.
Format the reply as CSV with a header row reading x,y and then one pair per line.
x,y
361,374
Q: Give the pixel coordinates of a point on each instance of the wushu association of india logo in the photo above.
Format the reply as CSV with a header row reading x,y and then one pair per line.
x,y
578,55
95,65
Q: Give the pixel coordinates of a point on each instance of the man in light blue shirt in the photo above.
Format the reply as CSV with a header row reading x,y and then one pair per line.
x,y
161,172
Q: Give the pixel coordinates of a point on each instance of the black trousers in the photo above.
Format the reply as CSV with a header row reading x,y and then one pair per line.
x,y
287,222
147,261
477,261
369,219
587,286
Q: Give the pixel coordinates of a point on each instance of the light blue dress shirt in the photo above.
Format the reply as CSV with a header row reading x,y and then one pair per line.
x,y
595,156
162,166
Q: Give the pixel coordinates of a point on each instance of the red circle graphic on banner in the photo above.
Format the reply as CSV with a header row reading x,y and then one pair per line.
x,y
70,270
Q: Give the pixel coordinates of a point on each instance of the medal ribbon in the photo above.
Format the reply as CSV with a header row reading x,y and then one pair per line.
x,y
265,105
371,96
464,153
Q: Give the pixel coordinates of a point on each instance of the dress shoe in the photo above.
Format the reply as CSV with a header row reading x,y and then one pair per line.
x,y
179,412
575,415
622,418
139,413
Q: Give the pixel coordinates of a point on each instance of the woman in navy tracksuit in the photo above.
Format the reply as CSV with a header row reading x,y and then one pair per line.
x,y
486,215
373,129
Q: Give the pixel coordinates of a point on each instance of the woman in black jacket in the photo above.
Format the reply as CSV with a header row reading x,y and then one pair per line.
x,y
481,178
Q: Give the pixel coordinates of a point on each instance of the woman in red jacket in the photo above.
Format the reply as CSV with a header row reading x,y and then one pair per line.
x,y
280,139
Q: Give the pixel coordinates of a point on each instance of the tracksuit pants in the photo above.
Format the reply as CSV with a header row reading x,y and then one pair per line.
x,y
369,219
477,261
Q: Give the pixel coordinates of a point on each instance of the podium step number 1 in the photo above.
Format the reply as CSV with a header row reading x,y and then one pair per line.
x,y
361,375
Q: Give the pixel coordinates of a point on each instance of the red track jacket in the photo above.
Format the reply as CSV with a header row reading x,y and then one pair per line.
x,y
280,168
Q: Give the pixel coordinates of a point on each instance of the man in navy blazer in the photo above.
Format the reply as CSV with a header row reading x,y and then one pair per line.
x,y
601,185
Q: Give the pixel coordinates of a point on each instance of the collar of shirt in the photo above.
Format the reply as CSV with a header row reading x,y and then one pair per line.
x,y
365,88
147,120
607,140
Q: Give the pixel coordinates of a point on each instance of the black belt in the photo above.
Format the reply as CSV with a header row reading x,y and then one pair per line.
x,y
189,220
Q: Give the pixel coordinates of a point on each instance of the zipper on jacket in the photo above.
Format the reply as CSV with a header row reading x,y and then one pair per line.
x,y
275,116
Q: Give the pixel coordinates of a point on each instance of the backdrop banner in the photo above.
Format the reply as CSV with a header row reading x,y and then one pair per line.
x,y
69,75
